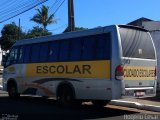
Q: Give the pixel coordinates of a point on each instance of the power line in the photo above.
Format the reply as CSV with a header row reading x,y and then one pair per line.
x,y
13,8
60,27
59,7
17,7
56,1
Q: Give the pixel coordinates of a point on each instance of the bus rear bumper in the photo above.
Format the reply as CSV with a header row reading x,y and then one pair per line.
x,y
139,92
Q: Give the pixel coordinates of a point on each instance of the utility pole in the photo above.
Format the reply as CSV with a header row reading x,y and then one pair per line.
x,y
71,23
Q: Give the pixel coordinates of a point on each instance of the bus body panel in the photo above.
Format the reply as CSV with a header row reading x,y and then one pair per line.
x,y
115,61
85,88
14,72
139,76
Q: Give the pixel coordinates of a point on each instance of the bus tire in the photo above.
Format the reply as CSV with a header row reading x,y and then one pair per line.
x,y
100,103
65,96
12,90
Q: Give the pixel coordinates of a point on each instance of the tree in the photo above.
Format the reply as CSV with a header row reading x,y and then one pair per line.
x,y
80,28
36,32
42,17
10,34
75,29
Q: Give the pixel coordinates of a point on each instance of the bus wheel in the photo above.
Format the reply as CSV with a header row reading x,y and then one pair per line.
x,y
100,103
65,96
12,91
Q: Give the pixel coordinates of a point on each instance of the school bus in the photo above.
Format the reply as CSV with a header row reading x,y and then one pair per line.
x,y
99,65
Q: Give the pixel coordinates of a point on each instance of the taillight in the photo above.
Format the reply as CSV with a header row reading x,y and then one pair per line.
x,y
119,73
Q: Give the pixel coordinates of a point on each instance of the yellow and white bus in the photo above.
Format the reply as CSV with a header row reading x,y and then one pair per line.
x,y
99,64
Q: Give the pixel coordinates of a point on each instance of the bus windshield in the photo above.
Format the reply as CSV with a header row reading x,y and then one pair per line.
x,y
136,44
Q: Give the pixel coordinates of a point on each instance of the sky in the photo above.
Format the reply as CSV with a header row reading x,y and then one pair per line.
x,y
93,13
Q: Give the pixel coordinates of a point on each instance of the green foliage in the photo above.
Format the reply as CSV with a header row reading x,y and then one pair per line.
x,y
75,29
80,28
10,33
37,32
42,17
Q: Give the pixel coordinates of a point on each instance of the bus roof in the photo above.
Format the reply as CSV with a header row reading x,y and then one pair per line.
x,y
74,34
61,36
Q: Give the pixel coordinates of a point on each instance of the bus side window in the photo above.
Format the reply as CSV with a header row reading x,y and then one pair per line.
x,y
27,55
64,50
89,47
21,54
107,47
75,49
53,51
35,51
44,51
103,46
12,58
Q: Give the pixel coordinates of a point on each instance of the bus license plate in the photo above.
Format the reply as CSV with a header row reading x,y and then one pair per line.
x,y
140,93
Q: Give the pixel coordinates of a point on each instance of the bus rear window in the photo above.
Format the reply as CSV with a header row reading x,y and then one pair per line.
x,y
136,44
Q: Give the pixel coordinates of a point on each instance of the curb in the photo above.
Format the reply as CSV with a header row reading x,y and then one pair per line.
x,y
135,105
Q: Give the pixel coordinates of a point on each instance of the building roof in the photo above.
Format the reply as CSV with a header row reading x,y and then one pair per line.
x,y
146,23
139,21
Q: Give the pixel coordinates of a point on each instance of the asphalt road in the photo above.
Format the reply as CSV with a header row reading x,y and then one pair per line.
x,y
38,108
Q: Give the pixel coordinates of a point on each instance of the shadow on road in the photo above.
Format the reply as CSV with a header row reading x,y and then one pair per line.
x,y
40,108
156,98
